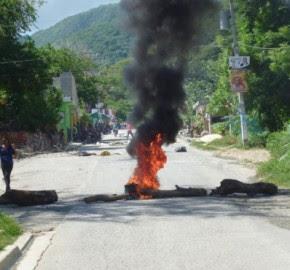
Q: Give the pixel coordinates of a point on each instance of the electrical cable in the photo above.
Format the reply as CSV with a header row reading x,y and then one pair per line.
x,y
265,48
198,46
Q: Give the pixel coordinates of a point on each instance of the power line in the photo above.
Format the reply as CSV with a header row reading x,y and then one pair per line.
x,y
266,48
243,44
19,61
198,46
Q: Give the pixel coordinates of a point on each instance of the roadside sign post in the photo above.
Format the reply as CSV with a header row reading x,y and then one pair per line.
x,y
238,83
239,62
243,117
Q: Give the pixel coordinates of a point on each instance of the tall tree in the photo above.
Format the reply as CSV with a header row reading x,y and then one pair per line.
x,y
27,99
115,93
16,17
264,33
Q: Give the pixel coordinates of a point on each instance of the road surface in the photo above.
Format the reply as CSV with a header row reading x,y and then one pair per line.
x,y
195,233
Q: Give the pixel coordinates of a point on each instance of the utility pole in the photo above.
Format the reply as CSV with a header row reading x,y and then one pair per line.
x,y
242,110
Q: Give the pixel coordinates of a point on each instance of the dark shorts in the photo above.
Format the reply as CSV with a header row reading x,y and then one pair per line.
x,y
7,169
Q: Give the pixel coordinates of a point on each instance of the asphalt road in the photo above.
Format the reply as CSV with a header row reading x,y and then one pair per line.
x,y
195,233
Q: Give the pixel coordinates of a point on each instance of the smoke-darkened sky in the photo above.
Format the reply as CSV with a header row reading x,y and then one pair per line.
x,y
54,11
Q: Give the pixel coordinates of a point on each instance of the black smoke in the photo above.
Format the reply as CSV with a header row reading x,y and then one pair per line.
x,y
165,31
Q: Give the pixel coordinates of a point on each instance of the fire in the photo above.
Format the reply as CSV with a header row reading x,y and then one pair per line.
x,y
151,158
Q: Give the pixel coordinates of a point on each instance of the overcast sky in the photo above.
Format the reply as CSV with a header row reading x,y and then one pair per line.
x,y
54,11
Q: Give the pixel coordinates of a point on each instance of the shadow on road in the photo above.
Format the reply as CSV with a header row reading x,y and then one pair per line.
x,y
74,210
206,207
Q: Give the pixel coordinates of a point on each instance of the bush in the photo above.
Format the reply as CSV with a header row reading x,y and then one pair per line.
x,y
258,140
288,126
86,120
279,144
234,124
253,125
257,136
221,128
277,170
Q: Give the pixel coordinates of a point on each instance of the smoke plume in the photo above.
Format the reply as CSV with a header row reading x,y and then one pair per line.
x,y
165,30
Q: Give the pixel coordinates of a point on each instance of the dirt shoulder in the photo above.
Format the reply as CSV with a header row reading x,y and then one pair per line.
x,y
227,147
254,156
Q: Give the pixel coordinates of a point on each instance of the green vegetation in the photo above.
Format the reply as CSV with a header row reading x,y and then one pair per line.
x,y
97,33
9,231
83,69
267,24
264,34
27,99
277,170
94,46
257,137
231,141
94,83
115,94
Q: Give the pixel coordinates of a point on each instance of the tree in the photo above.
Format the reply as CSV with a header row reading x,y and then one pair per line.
x,y
264,34
28,102
267,24
94,83
16,18
223,101
115,93
83,69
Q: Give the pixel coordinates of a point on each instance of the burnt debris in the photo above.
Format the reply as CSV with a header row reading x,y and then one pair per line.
x,y
232,186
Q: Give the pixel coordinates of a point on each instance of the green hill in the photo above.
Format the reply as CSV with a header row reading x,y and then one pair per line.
x,y
97,32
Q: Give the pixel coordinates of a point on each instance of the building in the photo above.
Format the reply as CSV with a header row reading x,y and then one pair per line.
x,y
70,110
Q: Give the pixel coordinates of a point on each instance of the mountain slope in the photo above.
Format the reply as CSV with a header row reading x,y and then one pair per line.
x,y
97,32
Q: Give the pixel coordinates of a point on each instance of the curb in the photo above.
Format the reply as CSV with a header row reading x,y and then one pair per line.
x,y
35,252
12,253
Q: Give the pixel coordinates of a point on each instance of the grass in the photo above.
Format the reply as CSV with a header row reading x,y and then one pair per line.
x,y
225,142
9,230
230,141
277,170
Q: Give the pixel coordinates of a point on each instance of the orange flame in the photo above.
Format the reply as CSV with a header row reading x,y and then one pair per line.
x,y
151,158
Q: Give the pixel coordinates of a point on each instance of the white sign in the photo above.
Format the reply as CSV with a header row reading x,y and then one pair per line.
x,y
99,105
67,99
239,62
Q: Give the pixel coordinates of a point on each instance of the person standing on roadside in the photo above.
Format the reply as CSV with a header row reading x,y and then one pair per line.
x,y
7,152
129,130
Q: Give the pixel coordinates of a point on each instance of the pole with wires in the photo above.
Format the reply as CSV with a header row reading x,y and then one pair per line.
x,y
242,108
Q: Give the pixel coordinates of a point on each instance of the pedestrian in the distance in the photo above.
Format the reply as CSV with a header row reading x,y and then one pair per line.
x,y
129,130
7,152
115,129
